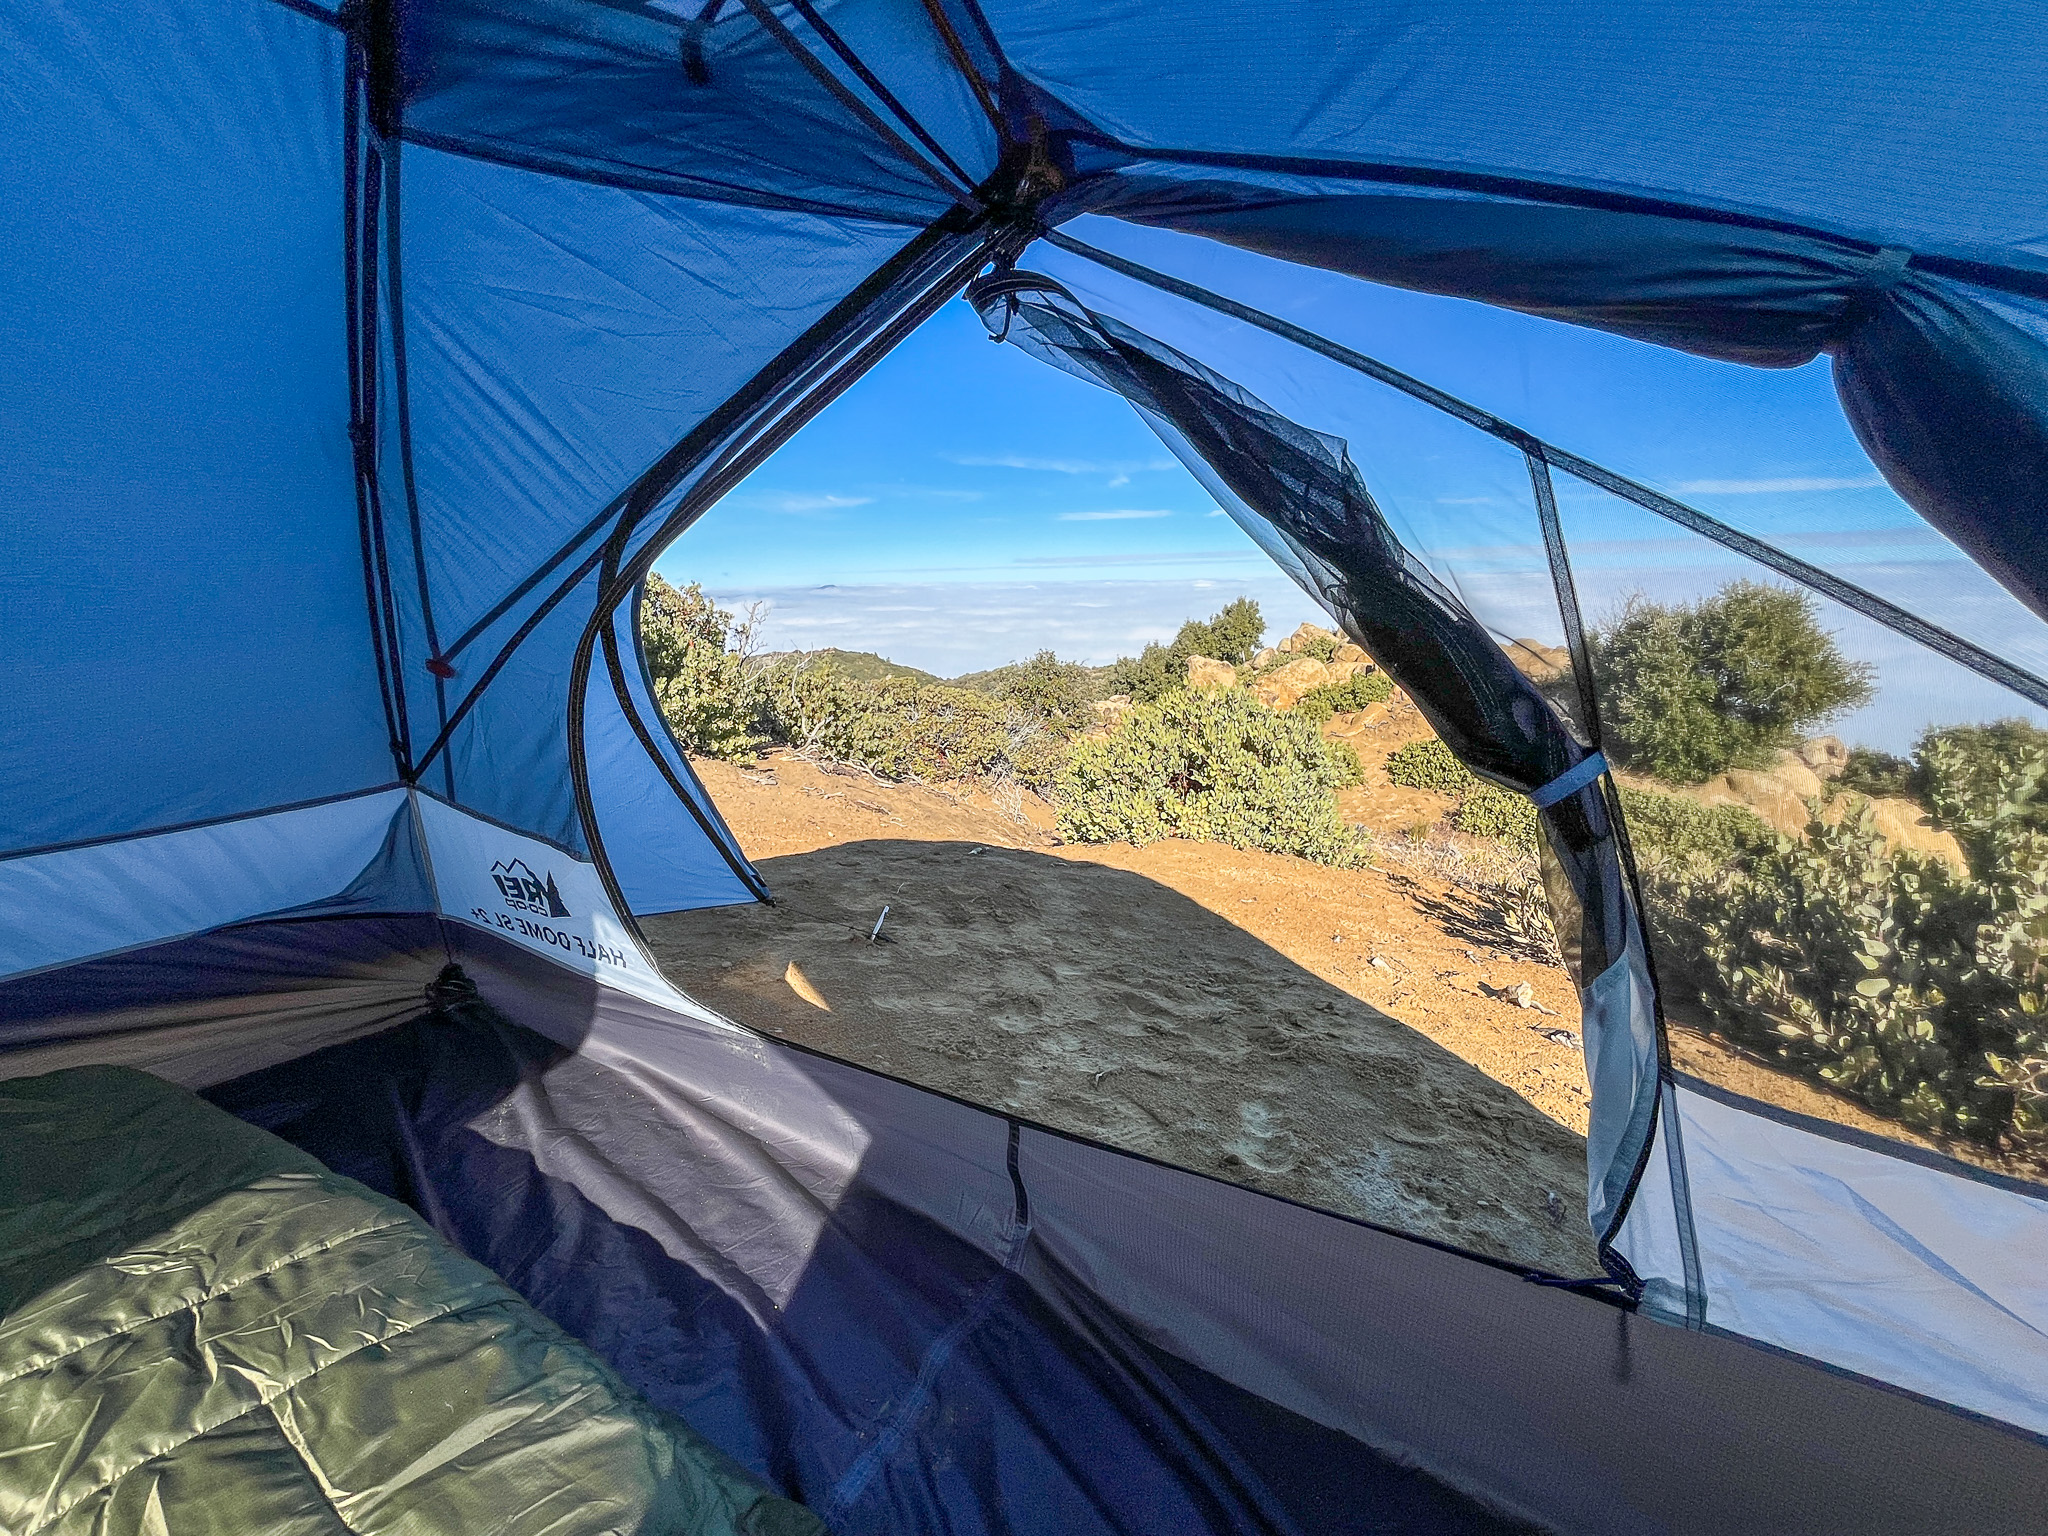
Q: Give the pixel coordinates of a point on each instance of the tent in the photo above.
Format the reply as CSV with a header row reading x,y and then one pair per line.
x,y
359,362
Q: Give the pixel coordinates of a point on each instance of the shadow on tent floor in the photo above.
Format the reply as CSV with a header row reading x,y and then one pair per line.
x,y
909,1383
1115,1006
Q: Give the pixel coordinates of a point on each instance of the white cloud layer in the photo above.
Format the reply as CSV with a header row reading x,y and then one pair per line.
x,y
958,627
1776,487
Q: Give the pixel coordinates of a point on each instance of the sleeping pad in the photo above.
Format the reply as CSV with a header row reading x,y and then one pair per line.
x,y
204,1330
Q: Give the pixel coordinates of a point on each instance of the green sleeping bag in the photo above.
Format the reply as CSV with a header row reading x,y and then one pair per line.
x,y
203,1330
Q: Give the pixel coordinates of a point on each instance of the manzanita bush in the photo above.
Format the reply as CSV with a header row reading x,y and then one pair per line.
x,y
1920,989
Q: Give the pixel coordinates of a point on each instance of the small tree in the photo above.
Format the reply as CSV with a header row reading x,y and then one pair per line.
x,y
1693,689
1056,692
1231,635
697,656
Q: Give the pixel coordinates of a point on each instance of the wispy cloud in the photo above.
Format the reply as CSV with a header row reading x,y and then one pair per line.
x,y
1772,487
1120,470
1127,515
798,503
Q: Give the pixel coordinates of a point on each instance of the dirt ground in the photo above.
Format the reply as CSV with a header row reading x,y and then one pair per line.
x,y
1348,1038
1329,1035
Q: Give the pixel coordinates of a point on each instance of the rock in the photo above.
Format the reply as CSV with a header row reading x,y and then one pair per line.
x,y
1214,676
1265,658
1344,671
1109,711
1305,636
1349,652
1793,773
1777,802
1538,662
1904,824
1825,755
1283,687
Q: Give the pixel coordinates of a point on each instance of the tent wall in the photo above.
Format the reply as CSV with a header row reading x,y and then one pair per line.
x,y
186,636
1839,1246
104,897
207,1008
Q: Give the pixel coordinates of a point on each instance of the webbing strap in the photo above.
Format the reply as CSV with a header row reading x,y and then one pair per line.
x,y
1571,781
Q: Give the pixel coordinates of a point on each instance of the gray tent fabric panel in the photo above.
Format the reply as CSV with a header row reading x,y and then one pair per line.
x,y
744,1160
1890,1267
1573,1414
212,1007
71,904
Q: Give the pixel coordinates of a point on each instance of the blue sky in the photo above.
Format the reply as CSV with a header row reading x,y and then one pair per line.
x,y
964,504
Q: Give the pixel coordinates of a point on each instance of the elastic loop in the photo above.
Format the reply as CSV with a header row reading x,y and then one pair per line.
x,y
1570,782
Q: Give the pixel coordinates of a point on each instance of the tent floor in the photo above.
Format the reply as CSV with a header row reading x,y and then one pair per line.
x,y
908,1382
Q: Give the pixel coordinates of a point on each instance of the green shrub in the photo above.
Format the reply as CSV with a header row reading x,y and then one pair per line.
x,y
1693,689
1490,811
711,705
893,727
1975,778
1213,767
1877,774
1914,988
1053,691
701,681
1231,635
1669,829
1354,693
1483,809
1150,675
1322,648
1429,764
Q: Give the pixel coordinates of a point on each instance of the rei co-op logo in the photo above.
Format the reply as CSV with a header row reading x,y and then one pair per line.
x,y
525,891
533,906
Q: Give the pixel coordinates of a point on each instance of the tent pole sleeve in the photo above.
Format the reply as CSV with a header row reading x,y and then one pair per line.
x,y
621,576
869,119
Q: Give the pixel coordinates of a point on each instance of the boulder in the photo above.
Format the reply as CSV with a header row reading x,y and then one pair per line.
x,y
1777,802
1538,662
1344,671
1904,825
1352,653
1306,635
1283,687
1264,659
1825,755
1211,675
1793,773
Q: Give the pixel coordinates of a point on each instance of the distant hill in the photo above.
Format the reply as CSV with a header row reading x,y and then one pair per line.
x,y
861,666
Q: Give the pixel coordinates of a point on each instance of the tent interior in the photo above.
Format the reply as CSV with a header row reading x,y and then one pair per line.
x,y
375,353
